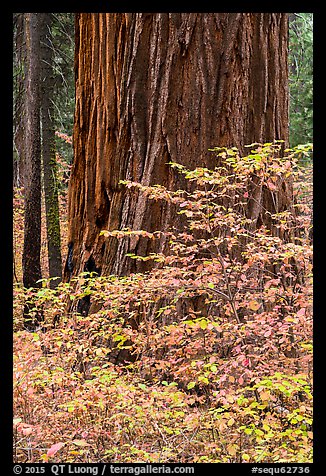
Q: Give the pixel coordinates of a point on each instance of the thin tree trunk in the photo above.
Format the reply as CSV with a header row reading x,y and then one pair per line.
x,y
155,88
32,181
32,217
20,70
48,152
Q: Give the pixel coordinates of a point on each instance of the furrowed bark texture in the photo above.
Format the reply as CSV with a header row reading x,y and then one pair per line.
x,y
155,88
32,212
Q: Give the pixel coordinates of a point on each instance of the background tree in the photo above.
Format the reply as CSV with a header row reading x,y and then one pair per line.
x,y
301,77
63,97
32,215
19,70
57,97
48,150
155,88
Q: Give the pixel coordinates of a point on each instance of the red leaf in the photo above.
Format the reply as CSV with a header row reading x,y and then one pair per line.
x,y
54,448
301,312
246,362
27,431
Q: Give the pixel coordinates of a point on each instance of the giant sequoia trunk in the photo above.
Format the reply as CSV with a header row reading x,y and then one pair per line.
x,y
155,88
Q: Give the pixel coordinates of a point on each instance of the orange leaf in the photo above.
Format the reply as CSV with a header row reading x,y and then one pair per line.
x,y
254,305
232,450
265,396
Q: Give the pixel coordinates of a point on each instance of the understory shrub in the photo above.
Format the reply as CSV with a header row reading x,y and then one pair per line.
x,y
205,358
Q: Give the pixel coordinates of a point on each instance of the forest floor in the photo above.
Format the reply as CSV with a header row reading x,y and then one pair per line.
x,y
180,397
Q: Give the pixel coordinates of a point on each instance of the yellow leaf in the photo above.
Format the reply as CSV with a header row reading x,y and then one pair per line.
x,y
231,421
203,324
80,443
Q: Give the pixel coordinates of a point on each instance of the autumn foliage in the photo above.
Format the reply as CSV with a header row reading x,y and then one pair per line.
x,y
205,358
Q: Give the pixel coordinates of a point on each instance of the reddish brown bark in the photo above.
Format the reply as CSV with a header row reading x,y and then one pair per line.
x,y
155,88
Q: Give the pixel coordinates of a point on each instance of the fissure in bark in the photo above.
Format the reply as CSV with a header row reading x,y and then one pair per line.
x,y
155,88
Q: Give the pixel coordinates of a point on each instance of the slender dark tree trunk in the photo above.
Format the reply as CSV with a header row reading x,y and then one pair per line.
x,y
48,151
20,70
32,220
155,88
32,182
